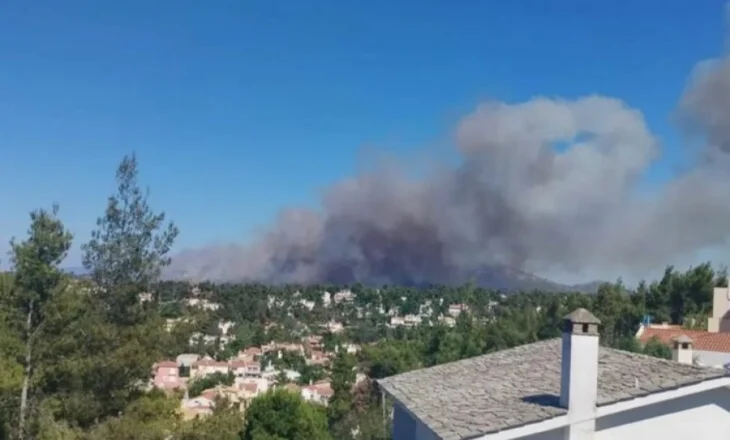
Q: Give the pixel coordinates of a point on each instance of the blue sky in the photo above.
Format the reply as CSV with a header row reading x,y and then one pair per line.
x,y
238,108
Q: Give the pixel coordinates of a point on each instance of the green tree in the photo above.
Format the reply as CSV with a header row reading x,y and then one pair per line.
x,y
311,374
130,246
11,354
225,423
282,415
656,348
391,357
105,342
36,263
343,379
197,386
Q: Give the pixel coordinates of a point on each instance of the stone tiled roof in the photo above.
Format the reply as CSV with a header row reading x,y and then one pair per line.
x,y
510,388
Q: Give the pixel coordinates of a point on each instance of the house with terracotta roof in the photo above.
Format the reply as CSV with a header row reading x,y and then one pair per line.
x,y
251,354
245,368
207,366
711,347
319,392
568,388
167,376
317,358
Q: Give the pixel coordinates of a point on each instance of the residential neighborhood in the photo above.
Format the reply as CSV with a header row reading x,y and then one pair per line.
x,y
253,370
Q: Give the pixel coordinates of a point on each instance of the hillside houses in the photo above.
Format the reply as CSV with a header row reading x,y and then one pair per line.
x,y
201,303
457,309
249,381
295,345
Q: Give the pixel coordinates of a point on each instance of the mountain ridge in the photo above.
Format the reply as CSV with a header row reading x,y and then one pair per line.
x,y
503,278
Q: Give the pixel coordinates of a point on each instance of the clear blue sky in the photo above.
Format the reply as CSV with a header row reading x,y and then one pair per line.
x,y
237,108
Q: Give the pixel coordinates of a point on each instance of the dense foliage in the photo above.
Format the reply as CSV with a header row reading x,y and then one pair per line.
x,y
282,415
76,354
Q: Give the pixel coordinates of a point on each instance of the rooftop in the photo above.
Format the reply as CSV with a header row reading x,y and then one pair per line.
x,y
515,387
702,340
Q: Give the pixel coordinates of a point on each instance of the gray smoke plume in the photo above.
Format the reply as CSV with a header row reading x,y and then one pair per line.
x,y
514,200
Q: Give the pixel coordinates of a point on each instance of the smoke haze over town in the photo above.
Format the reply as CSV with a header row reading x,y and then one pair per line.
x,y
550,186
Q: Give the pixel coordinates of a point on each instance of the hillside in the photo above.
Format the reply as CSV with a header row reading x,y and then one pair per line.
x,y
189,266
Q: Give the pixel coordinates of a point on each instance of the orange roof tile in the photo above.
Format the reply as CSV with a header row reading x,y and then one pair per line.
x,y
166,364
324,388
703,341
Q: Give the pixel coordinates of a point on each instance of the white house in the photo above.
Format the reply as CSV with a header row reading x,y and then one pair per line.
x,y
201,304
456,309
334,327
319,392
711,347
309,305
567,388
343,296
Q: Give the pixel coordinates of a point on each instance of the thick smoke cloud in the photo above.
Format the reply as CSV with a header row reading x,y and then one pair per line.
x,y
548,186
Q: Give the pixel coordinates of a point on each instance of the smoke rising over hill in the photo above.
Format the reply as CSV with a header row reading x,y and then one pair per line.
x,y
514,201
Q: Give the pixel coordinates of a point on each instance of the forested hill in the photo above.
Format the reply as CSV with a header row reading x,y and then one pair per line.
x,y
197,267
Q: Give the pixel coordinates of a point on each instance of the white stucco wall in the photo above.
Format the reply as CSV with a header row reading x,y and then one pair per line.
x,y
712,358
703,416
555,434
699,416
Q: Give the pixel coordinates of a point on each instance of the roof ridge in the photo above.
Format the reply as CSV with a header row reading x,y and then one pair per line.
x,y
502,352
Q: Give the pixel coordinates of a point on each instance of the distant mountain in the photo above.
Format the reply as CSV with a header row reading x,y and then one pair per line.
x,y
512,280
589,287
506,279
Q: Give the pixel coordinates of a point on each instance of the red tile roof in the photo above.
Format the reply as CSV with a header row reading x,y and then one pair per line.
x,y
241,363
210,393
703,341
324,388
166,364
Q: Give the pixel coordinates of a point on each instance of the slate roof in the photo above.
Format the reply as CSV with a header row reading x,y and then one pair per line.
x,y
510,388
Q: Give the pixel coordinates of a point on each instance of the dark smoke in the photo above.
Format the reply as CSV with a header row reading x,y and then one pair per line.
x,y
514,201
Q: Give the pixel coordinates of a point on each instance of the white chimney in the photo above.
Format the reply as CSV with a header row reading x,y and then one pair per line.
x,y
579,373
682,350
720,307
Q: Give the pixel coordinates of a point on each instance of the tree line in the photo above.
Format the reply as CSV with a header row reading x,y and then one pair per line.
x,y
75,354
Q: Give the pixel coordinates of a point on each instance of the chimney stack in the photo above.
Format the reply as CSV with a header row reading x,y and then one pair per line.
x,y
720,307
579,373
682,350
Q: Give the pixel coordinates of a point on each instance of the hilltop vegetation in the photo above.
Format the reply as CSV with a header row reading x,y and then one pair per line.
x,y
76,355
